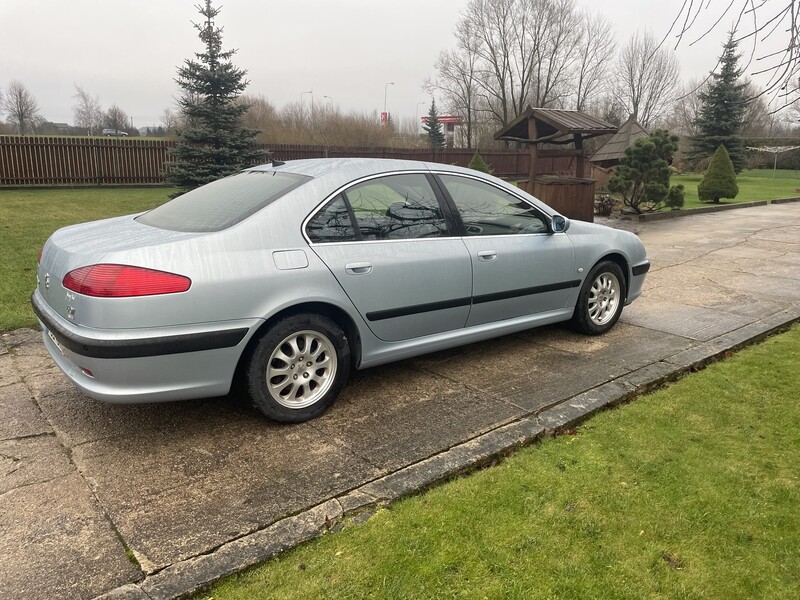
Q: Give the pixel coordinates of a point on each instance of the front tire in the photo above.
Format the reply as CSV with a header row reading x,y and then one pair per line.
x,y
601,299
298,368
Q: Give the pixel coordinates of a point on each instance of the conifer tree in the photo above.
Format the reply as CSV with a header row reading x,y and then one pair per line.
x,y
433,127
479,164
213,143
719,180
720,119
642,177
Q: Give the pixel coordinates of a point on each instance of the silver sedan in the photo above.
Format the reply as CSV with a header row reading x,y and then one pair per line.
x,y
287,276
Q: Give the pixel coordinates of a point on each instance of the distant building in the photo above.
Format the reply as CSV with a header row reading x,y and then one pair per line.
x,y
449,123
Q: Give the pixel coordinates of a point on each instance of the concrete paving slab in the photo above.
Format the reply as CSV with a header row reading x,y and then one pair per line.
x,y
394,416
693,322
707,287
8,374
30,460
233,475
519,370
201,489
627,346
19,415
55,542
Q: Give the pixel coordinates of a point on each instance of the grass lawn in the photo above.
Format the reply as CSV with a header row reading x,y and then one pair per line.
x,y
754,184
691,492
28,217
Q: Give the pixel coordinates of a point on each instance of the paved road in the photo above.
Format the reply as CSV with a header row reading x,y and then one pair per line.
x,y
193,490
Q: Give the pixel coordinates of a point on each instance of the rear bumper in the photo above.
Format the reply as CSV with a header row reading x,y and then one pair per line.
x,y
146,365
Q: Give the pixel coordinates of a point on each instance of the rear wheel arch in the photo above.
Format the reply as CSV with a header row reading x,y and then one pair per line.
x,y
334,313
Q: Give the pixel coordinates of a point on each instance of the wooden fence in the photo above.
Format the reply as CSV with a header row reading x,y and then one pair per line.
x,y
50,160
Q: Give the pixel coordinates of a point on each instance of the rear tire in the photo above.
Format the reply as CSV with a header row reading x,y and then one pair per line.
x,y
298,368
601,299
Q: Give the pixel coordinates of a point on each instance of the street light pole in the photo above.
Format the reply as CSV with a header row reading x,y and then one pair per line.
x,y
416,113
312,101
385,94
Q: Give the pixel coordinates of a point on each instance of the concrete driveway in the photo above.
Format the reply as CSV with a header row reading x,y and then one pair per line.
x,y
153,501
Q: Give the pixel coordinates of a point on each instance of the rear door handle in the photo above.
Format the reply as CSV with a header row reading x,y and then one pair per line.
x,y
361,268
487,255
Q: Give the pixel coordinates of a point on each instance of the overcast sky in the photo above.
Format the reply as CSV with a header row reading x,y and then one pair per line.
x,y
126,51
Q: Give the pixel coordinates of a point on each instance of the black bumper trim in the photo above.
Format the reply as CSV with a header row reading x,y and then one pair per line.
x,y
640,269
139,348
405,311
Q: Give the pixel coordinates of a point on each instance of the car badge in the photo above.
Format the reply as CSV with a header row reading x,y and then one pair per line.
x,y
47,281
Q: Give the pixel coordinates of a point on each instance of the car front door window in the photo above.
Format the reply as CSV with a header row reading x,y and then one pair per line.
x,y
487,210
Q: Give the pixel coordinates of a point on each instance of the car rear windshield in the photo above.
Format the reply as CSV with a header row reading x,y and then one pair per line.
x,y
222,203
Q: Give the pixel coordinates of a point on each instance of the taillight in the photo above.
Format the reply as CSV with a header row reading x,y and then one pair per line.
x,y
123,281
39,258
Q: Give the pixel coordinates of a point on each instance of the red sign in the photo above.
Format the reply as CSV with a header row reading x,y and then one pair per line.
x,y
384,118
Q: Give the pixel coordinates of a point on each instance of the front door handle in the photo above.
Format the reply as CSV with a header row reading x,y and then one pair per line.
x,y
487,255
361,268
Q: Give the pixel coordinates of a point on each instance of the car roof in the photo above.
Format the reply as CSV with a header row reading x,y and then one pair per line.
x,y
351,168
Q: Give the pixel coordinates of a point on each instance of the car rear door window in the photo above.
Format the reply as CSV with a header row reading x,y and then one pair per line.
x,y
332,223
489,210
396,207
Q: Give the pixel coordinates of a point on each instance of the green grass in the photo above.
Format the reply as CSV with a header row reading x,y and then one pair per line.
x,y
691,492
28,217
754,184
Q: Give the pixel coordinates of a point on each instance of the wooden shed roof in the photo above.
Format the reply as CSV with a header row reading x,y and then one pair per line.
x,y
614,147
554,126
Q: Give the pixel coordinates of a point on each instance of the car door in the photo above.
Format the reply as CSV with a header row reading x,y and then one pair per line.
x,y
519,268
387,242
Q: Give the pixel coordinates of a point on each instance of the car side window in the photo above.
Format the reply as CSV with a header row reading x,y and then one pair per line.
x,y
332,223
488,210
396,207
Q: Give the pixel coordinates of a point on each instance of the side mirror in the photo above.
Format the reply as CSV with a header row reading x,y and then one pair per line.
x,y
559,224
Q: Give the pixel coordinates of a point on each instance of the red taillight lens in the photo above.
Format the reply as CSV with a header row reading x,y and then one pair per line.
x,y
39,258
123,281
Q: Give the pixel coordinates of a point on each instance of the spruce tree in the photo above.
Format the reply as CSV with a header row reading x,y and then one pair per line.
x,y
719,180
213,143
433,127
479,164
720,119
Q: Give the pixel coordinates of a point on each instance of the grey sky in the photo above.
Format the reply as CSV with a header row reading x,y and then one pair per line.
x,y
127,51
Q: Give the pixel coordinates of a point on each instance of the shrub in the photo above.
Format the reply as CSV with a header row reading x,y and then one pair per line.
x,y
479,164
719,180
603,205
675,197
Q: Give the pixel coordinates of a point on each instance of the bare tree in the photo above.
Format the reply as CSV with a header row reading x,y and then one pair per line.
x,y
646,79
683,118
759,120
260,112
510,53
754,23
457,83
492,24
595,53
554,45
22,107
170,120
116,118
87,111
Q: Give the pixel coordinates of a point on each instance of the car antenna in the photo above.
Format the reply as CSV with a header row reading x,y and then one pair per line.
x,y
275,161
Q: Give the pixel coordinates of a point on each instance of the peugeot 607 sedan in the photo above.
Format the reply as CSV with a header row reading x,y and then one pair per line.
x,y
287,276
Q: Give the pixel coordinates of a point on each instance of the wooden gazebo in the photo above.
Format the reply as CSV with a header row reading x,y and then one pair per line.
x,y
571,196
